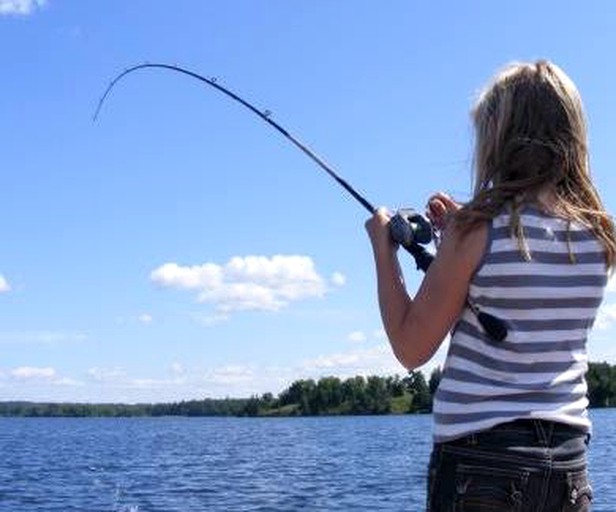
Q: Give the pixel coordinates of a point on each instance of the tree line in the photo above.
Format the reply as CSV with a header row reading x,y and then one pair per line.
x,y
307,397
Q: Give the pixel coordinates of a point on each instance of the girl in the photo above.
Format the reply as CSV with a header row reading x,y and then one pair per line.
x,y
533,247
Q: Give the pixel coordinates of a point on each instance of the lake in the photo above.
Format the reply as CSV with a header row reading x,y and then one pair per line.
x,y
174,464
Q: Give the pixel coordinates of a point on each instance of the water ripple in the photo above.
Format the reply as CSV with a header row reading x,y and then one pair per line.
x,y
233,464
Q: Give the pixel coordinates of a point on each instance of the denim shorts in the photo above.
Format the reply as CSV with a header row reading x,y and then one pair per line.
x,y
520,466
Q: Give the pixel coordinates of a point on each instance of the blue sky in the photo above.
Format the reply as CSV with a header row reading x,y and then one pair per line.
x,y
179,247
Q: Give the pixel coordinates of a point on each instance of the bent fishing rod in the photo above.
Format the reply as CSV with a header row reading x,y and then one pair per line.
x,y
407,227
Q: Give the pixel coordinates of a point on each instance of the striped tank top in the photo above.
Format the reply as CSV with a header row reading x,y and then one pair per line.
x,y
549,304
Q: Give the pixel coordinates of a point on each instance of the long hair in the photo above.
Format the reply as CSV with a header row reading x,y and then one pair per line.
x,y
531,137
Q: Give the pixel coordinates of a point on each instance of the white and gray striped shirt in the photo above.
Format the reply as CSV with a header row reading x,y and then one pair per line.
x,y
549,304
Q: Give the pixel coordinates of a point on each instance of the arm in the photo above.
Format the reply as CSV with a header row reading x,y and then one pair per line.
x,y
417,326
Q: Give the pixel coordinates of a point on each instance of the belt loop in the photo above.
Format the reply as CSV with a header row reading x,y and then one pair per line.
x,y
550,435
540,432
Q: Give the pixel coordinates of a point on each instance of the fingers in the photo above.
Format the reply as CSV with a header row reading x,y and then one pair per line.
x,y
377,227
436,209
442,200
379,220
439,208
382,215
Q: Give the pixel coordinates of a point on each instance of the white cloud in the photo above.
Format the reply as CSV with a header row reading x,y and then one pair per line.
x,y
67,381
371,361
361,336
118,378
171,275
356,337
606,316
40,383
380,334
4,285
235,379
338,279
145,318
106,374
374,360
177,368
32,372
230,374
23,7
177,382
249,283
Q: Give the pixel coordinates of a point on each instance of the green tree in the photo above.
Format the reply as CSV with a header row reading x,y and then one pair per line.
x,y
418,387
601,379
328,395
435,379
354,395
377,396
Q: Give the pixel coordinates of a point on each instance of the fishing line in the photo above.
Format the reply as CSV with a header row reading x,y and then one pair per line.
x,y
407,227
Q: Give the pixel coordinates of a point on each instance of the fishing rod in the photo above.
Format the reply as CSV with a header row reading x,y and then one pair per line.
x,y
408,228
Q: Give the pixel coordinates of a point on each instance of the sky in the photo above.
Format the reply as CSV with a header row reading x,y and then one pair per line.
x,y
178,247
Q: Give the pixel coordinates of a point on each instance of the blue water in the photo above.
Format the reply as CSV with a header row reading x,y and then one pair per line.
x,y
235,464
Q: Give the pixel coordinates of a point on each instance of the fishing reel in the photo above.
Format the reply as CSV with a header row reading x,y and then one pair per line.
x,y
407,227
411,230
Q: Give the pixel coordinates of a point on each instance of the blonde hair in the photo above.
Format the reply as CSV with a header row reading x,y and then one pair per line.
x,y
531,137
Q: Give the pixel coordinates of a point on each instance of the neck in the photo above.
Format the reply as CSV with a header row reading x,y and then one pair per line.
x,y
547,200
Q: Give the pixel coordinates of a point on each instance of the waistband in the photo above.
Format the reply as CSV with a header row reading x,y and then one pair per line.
x,y
534,443
525,431
545,425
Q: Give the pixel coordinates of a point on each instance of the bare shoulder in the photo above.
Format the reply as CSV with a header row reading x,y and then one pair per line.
x,y
464,250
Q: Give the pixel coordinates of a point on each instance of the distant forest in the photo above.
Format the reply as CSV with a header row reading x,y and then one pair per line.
x,y
327,396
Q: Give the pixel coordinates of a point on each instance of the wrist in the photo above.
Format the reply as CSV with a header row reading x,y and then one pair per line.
x,y
384,248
